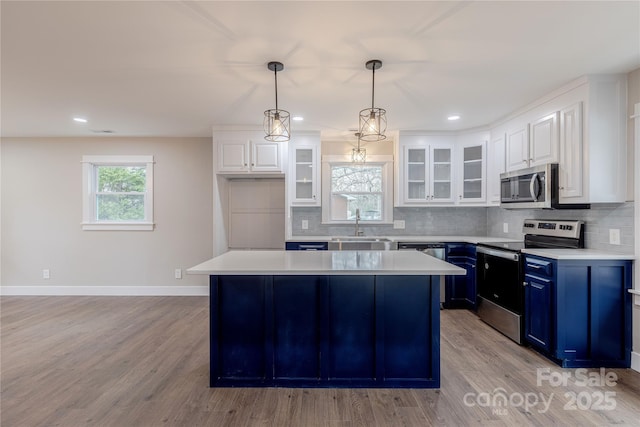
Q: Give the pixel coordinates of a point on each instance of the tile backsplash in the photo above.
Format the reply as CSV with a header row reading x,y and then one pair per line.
x,y
436,221
482,221
598,220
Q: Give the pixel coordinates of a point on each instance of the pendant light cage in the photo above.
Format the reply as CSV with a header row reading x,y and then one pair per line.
x,y
373,121
358,155
277,124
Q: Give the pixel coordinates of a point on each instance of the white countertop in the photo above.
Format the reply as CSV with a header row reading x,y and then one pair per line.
x,y
325,263
578,254
425,239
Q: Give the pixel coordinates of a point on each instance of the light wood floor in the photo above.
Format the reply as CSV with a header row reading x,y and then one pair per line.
x,y
143,361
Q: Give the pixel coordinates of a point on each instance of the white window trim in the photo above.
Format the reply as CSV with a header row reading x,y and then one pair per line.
x,y
387,187
89,222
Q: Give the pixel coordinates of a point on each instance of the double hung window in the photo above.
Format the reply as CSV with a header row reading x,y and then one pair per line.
x,y
365,188
117,193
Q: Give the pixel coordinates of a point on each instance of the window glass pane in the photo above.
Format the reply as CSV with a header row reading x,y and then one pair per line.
x,y
416,155
442,155
473,153
121,179
364,178
120,207
304,155
343,206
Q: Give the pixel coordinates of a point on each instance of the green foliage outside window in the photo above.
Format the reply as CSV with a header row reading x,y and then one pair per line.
x,y
120,194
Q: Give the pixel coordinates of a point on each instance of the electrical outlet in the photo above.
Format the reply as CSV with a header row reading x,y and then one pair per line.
x,y
178,273
45,274
505,227
305,224
398,224
614,236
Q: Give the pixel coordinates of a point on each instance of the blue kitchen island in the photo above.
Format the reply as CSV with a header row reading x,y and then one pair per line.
x,y
325,318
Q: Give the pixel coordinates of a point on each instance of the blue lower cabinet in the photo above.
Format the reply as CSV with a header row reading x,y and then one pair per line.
x,y
325,331
579,312
537,297
461,291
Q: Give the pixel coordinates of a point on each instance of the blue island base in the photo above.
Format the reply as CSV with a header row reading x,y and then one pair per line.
x,y
325,331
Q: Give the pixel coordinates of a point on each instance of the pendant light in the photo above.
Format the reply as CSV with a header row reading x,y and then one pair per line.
x,y
373,121
276,122
358,155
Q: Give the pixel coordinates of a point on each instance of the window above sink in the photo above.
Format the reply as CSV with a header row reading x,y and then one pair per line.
x,y
367,187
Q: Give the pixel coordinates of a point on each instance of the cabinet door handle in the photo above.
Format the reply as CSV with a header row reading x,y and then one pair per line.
x,y
525,284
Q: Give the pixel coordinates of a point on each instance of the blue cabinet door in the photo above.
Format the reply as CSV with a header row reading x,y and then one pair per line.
x,y
537,296
352,334
296,326
471,292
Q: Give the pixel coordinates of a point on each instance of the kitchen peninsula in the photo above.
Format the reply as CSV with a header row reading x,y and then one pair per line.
x,y
325,318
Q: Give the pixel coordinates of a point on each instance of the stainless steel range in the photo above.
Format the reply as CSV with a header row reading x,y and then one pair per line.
x,y
499,270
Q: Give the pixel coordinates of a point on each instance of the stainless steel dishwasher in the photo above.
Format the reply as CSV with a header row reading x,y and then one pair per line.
x,y
436,250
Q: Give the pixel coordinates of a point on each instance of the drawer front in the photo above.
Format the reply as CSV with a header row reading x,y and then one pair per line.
x,y
538,266
306,246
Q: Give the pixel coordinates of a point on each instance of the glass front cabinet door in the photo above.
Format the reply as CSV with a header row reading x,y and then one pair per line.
x,y
305,170
428,174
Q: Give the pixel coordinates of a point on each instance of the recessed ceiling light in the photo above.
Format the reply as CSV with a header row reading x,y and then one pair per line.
x,y
79,120
452,118
297,118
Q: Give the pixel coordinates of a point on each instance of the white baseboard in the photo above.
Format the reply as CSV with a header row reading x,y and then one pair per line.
x,y
105,290
635,361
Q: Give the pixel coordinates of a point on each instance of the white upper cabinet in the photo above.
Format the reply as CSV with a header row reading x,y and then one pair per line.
x,y
425,170
495,165
544,140
534,143
570,167
246,153
472,157
303,178
582,127
518,147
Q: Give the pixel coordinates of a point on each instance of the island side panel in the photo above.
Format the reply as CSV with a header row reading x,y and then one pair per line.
x,y
238,333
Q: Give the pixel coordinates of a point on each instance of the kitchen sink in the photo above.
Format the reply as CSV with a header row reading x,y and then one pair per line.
x,y
361,243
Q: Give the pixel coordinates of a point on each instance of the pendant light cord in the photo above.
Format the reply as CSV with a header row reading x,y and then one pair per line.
x,y
373,86
275,76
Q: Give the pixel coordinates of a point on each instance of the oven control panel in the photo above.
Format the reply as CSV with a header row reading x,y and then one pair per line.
x,y
556,228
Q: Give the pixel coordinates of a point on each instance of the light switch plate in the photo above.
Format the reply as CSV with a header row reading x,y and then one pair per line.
x,y
505,227
178,273
305,224
45,274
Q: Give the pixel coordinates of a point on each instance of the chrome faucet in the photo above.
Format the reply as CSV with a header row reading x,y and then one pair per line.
x,y
358,231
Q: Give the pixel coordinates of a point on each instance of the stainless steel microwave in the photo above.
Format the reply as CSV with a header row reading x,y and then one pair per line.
x,y
535,187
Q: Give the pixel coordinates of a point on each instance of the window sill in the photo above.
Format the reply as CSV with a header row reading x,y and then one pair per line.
x,y
120,226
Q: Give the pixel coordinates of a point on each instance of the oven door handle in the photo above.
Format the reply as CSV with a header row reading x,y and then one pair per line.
x,y
498,253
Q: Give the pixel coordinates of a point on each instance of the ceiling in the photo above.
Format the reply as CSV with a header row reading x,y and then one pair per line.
x,y
179,68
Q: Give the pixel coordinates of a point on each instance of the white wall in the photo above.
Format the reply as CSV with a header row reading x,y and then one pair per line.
x,y
42,211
